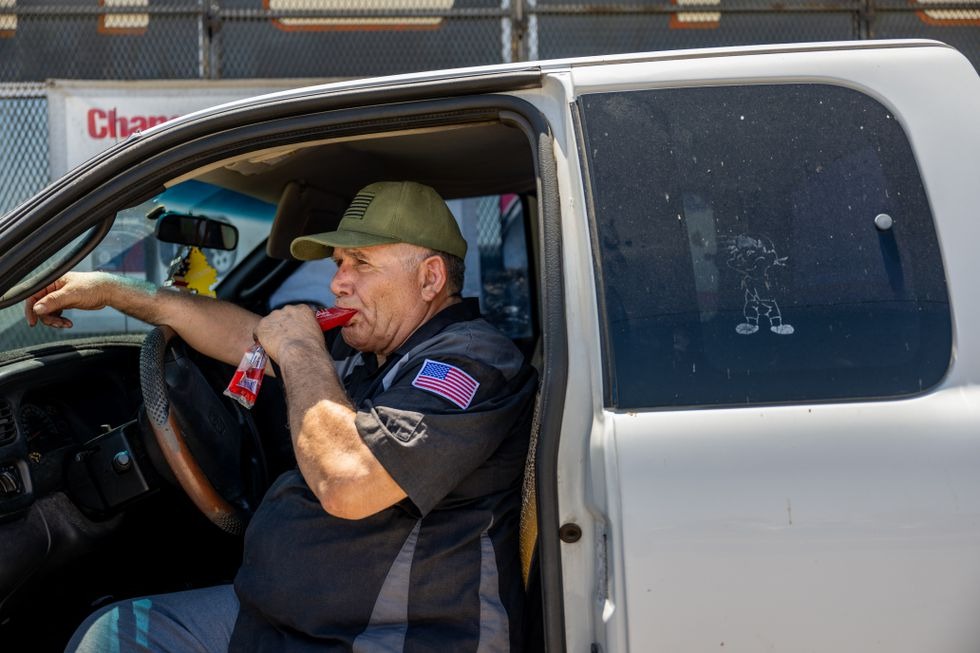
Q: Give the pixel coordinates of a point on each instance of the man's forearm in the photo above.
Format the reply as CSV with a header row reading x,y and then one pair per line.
x,y
340,469
215,328
321,418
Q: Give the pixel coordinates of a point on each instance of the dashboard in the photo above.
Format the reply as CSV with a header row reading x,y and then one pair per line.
x,y
52,403
86,510
61,408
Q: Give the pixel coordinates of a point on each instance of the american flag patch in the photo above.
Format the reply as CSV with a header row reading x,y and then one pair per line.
x,y
447,381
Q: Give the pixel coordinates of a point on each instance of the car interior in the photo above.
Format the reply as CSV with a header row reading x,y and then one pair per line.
x,y
91,511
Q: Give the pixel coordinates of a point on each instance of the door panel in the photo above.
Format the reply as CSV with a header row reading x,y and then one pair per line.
x,y
827,528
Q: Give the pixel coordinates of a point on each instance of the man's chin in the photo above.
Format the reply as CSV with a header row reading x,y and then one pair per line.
x,y
352,340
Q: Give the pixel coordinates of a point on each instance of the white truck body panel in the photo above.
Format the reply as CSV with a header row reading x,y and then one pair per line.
x,y
824,527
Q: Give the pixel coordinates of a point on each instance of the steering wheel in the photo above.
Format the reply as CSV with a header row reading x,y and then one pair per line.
x,y
200,439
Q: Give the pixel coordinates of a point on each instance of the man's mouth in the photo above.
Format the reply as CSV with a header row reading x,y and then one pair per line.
x,y
331,318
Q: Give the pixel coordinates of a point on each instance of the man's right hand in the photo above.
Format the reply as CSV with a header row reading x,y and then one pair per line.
x,y
86,290
213,327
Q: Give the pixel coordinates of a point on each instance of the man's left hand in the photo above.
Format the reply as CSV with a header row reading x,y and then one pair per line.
x,y
289,326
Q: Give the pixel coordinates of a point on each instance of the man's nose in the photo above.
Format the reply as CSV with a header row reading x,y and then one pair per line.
x,y
340,284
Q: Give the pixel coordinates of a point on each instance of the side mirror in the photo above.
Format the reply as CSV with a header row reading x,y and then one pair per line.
x,y
196,231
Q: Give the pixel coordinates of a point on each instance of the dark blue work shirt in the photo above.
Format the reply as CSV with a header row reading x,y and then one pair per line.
x,y
448,416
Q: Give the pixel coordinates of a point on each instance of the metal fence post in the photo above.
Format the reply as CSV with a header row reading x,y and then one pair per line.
x,y
210,39
863,18
518,30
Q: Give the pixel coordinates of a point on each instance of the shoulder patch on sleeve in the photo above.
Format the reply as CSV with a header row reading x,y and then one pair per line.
x,y
447,381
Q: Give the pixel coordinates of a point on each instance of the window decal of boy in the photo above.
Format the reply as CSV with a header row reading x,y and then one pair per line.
x,y
753,257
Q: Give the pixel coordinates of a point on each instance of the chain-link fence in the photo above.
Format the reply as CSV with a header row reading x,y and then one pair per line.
x,y
560,29
247,39
266,39
23,143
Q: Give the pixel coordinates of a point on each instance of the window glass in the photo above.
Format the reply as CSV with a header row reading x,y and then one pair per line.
x,y
496,260
131,249
762,244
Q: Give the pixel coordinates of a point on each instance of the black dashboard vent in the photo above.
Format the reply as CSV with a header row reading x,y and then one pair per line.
x,y
8,428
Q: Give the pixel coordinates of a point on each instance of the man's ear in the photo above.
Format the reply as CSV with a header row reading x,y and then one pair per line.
x,y
432,277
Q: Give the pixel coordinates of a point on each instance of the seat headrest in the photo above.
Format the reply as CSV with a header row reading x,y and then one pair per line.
x,y
302,210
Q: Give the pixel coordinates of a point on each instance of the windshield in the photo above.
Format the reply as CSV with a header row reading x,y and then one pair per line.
x,y
496,263
130,248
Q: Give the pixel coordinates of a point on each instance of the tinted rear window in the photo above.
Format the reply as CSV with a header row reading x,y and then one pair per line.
x,y
761,244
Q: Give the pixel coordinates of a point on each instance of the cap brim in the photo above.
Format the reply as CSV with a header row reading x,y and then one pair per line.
x,y
317,246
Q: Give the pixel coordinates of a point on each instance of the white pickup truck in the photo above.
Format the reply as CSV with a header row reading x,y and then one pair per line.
x,y
748,277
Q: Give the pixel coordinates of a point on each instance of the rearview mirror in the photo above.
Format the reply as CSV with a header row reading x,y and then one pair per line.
x,y
196,231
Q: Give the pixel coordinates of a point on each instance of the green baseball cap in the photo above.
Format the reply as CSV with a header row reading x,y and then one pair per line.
x,y
389,212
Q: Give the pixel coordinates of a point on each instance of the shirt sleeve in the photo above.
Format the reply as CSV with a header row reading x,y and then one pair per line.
x,y
426,440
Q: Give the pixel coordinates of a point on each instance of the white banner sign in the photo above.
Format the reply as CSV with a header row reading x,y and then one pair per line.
x,y
86,118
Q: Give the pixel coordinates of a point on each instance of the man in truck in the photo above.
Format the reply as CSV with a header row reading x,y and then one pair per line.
x,y
398,529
